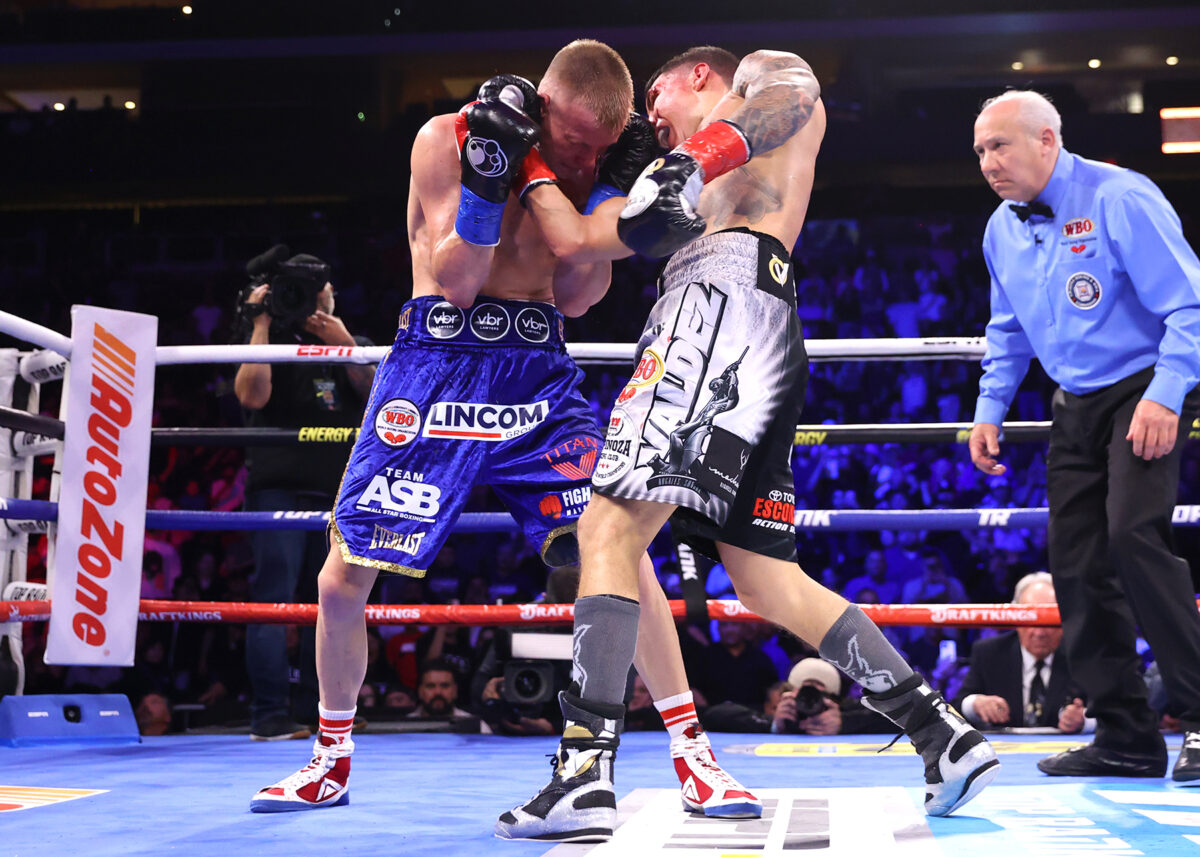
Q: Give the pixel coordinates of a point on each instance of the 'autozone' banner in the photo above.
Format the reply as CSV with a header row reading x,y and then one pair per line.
x,y
102,502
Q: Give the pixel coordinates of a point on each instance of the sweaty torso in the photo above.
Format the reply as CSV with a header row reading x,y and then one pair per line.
x,y
770,193
522,265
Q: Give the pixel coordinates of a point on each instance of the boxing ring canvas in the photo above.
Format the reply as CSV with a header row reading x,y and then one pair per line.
x,y
418,794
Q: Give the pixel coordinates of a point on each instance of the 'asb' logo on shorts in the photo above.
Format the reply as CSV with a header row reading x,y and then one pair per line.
x,y
1083,290
489,322
445,320
398,422
532,325
403,498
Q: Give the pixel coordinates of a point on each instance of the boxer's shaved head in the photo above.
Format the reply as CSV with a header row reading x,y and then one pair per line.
x,y
594,75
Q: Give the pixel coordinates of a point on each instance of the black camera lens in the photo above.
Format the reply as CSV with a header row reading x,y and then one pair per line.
x,y
809,701
528,684
72,713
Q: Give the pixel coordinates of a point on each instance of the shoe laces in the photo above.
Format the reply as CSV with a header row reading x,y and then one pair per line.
x,y
1191,741
935,707
701,752
310,773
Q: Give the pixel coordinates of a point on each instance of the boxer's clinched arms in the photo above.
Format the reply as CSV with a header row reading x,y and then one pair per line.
x,y
460,268
592,237
779,93
573,237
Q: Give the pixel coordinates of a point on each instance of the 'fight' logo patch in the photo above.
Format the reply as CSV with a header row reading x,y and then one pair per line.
x,y
1083,290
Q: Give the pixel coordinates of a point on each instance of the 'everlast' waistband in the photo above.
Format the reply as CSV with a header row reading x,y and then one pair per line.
x,y
431,320
739,255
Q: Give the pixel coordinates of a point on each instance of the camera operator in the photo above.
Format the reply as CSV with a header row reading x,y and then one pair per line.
x,y
290,301
810,702
518,696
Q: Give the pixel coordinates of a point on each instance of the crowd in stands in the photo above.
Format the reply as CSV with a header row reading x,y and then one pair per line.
x,y
867,278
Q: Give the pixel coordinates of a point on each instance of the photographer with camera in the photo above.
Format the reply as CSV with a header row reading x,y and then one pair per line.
x,y
810,703
290,301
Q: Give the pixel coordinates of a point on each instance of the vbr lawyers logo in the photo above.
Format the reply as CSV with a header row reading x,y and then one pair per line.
x,y
445,320
532,325
489,322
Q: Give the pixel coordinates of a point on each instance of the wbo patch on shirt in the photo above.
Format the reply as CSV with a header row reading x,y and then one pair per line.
x,y
1083,290
1079,236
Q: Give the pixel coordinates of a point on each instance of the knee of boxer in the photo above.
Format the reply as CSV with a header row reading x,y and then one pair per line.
x,y
343,589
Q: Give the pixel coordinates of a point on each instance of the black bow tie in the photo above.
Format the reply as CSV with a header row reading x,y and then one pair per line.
x,y
1035,207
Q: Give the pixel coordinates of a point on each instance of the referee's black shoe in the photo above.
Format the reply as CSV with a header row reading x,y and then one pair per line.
x,y
1093,761
1187,766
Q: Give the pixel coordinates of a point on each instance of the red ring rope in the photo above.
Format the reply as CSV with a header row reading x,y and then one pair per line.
x,y
949,615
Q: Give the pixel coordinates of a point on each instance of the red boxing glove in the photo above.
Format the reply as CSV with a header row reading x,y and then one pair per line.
x,y
534,171
718,148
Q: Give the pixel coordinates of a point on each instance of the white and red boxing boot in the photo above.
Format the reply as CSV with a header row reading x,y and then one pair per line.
x,y
324,781
704,786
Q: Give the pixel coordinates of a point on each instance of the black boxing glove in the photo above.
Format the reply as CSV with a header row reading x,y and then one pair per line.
x,y
660,214
515,91
623,161
494,139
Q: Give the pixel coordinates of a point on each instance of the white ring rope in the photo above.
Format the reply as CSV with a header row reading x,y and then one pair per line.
x,y
36,334
928,348
946,348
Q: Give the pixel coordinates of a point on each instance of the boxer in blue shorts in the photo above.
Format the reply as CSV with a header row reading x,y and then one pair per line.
x,y
482,396
478,388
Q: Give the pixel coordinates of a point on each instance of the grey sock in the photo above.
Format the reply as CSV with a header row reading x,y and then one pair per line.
x,y
605,638
858,648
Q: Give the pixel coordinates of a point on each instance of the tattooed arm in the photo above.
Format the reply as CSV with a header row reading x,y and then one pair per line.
x,y
779,92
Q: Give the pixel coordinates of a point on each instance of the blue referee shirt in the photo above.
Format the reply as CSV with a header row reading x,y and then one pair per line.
x,y
1105,288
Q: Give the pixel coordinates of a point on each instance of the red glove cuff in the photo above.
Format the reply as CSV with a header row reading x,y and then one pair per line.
x,y
532,172
719,148
460,125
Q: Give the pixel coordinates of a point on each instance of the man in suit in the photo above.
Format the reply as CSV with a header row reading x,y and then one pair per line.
x,y
1017,678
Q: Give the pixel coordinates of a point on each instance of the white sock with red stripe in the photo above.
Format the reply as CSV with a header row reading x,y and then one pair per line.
x,y
335,728
677,712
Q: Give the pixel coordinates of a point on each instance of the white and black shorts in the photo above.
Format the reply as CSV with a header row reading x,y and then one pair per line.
x,y
708,419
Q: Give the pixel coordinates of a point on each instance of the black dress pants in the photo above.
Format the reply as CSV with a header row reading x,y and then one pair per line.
x,y
1112,558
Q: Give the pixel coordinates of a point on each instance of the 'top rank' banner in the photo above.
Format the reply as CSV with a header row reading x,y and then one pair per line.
x,y
96,581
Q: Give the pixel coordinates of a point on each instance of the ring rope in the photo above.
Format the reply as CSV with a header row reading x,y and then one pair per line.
x,y
34,333
911,348
151,610
837,520
34,430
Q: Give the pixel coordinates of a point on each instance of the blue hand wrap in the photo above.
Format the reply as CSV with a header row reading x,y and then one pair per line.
x,y
478,220
599,194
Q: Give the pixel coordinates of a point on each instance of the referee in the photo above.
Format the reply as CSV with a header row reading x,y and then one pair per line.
x,y
1092,276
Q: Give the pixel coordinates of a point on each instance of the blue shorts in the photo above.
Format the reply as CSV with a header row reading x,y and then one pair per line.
x,y
486,395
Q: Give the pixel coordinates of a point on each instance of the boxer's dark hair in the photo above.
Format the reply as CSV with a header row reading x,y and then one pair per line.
x,y
719,60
